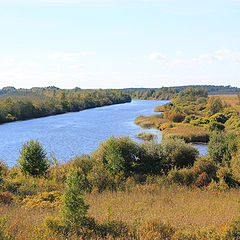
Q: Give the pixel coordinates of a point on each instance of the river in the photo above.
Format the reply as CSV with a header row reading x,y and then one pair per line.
x,y
71,134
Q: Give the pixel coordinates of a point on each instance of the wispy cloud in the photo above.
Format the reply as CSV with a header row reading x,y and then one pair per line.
x,y
157,56
205,58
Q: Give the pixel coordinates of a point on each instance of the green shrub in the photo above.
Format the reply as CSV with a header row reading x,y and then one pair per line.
x,y
178,153
235,166
216,126
205,164
100,178
33,160
174,116
189,118
118,155
214,105
221,147
219,117
182,176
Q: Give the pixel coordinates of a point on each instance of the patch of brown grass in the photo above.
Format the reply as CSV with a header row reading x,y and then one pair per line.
x,y
177,206
150,121
231,100
189,133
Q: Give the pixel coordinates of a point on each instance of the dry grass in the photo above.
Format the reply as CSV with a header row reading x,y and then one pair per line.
x,y
189,133
146,136
231,100
180,207
177,206
150,121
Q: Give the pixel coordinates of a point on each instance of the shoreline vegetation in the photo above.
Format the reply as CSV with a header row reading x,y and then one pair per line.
x,y
146,136
25,104
125,190
194,116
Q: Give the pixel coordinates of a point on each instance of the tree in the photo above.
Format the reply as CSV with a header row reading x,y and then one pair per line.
x,y
214,105
74,209
33,160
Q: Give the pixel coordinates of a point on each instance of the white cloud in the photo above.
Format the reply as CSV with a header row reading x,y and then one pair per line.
x,y
157,56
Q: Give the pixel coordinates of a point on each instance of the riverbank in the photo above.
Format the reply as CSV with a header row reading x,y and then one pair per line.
x,y
195,118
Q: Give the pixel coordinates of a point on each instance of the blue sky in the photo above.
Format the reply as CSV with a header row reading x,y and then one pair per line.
x,y
119,43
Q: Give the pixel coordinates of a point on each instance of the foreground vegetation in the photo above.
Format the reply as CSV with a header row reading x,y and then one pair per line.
x,y
194,116
125,190
22,104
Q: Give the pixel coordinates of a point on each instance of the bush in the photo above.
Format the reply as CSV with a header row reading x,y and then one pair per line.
x,y
118,155
216,126
219,117
43,200
221,147
183,176
205,164
214,105
100,178
33,160
177,153
174,116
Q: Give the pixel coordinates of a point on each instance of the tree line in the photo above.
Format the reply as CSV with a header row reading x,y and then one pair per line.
x,y
25,104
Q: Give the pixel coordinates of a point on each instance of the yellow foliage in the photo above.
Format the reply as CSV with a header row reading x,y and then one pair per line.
x,y
43,200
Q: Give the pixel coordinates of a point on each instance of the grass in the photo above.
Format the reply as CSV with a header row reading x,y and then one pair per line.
x,y
150,121
177,206
146,136
189,133
231,100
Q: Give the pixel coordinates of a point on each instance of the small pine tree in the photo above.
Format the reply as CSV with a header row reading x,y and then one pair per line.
x,y
74,209
33,160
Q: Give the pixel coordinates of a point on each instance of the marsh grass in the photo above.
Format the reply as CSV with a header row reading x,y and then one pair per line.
x,y
150,121
231,100
146,136
189,133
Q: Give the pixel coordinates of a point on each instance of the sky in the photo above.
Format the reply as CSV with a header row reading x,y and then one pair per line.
x,y
119,43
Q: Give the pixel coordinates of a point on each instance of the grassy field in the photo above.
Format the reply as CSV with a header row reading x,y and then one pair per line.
x,y
231,100
177,207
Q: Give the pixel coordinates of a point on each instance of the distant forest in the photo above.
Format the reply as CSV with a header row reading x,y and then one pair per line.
x,y
166,93
22,104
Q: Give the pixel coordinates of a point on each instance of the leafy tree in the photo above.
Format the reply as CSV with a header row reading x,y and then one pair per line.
x,y
221,146
214,105
74,209
33,160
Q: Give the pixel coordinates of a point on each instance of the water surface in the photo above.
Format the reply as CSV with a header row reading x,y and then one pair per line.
x,y
71,134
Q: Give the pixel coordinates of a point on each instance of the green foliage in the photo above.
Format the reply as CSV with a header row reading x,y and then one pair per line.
x,y
74,209
33,160
3,170
21,104
219,117
119,155
214,105
174,116
178,153
221,146
216,126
